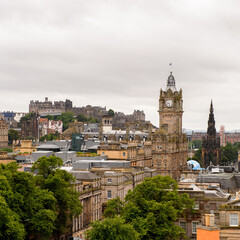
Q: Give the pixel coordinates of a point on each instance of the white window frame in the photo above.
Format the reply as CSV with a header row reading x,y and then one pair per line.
x,y
233,219
194,228
109,194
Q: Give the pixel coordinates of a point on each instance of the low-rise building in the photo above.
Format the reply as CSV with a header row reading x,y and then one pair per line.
x,y
208,199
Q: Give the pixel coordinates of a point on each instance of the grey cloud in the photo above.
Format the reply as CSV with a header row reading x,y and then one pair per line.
x,y
116,54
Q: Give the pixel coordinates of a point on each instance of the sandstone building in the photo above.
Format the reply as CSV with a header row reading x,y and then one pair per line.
x,y
3,134
169,144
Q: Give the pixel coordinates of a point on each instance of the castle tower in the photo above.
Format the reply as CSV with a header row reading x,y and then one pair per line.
x,y
211,151
169,143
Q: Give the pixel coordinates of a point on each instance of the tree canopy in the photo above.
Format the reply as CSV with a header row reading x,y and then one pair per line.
x,y
82,118
112,229
49,137
151,209
229,154
110,113
12,135
36,206
66,118
26,117
195,144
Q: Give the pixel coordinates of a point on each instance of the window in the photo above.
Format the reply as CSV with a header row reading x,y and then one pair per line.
x,y
109,180
213,206
109,194
196,206
183,225
233,219
103,153
194,227
124,154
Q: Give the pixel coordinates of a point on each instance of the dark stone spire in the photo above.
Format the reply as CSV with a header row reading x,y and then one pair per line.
x,y
211,151
211,131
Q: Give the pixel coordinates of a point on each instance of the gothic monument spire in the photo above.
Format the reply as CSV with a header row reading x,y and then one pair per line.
x,y
211,145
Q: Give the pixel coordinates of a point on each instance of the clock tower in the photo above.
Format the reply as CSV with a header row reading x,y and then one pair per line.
x,y
169,144
171,108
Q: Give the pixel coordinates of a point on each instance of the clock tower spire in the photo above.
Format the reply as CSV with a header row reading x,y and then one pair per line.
x,y
171,107
169,143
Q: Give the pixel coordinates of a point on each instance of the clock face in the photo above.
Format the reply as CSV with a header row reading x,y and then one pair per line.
x,y
169,103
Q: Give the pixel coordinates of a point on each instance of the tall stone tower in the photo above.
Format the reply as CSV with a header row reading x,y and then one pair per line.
x,y
211,151
169,143
171,108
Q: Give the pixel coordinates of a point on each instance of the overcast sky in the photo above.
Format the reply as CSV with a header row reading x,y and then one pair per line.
x,y
116,54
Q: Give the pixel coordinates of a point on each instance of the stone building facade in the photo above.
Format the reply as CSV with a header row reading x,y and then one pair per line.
x,y
29,128
90,188
48,107
211,150
169,144
3,134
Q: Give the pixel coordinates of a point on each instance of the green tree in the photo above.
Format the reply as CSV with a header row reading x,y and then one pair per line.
x,y
26,117
60,183
195,144
49,137
50,117
151,208
82,118
229,154
47,165
34,208
198,155
10,224
114,208
12,135
112,229
110,113
66,118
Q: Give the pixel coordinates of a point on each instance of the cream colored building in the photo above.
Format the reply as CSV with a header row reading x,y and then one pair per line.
x,y
89,186
26,146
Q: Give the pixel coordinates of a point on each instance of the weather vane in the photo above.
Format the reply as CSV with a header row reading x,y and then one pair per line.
x,y
170,66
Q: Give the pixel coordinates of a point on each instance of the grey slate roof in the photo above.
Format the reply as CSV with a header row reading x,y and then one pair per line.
x,y
88,164
84,175
49,145
226,180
